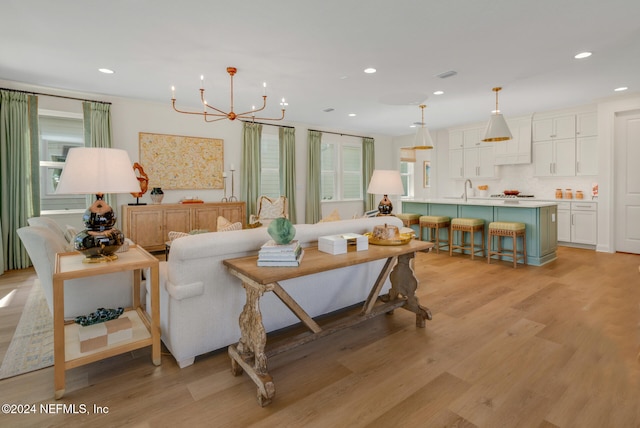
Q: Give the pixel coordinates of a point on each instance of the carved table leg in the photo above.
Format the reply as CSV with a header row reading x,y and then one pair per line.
x,y
404,285
251,347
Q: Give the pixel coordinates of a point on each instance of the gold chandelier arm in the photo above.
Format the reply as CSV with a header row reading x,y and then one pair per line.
x,y
265,118
216,115
264,104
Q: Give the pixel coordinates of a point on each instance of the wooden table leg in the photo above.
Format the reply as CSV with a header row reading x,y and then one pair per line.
x,y
251,347
58,339
404,285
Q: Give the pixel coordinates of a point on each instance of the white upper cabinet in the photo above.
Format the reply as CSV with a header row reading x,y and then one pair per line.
x,y
587,124
456,139
566,144
553,128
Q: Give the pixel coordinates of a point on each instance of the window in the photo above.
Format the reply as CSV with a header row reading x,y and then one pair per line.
x,y
270,163
59,132
407,176
341,168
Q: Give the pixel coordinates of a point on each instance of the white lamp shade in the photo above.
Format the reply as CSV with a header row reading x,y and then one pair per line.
x,y
91,170
497,129
423,139
385,182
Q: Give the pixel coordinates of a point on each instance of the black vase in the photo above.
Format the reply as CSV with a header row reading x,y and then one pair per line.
x,y
156,195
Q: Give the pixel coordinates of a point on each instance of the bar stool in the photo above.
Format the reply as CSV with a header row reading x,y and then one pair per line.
x,y
408,218
434,224
470,225
505,229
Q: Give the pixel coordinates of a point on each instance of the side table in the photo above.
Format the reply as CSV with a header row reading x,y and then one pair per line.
x,y
146,330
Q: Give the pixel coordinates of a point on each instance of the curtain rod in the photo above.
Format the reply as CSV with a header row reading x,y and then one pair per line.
x,y
269,124
56,96
339,133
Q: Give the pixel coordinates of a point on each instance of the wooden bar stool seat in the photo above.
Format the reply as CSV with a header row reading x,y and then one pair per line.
x,y
466,225
409,218
434,223
505,229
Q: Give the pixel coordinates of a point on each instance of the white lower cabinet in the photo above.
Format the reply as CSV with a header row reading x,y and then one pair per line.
x,y
578,223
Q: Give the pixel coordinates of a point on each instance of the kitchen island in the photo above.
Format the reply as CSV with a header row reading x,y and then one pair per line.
x,y
540,218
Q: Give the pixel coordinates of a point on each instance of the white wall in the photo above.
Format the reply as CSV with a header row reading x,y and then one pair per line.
x,y
130,116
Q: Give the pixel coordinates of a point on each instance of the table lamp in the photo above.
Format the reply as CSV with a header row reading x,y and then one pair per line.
x,y
385,182
92,170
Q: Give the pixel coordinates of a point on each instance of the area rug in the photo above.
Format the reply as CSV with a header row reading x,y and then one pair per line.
x,y
32,345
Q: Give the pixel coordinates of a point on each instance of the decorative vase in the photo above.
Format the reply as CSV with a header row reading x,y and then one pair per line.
x,y
156,195
281,230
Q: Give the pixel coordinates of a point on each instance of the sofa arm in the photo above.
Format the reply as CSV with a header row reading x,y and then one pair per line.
x,y
185,291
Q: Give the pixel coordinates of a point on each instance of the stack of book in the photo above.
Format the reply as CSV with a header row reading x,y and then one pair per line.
x,y
272,254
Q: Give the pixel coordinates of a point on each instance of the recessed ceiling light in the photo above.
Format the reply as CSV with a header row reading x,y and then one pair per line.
x,y
106,71
438,93
582,55
352,114
370,70
621,88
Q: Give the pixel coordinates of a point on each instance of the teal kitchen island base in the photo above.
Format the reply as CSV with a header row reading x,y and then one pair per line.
x,y
540,218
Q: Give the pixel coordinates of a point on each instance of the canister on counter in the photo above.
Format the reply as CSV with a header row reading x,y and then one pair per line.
x,y
579,194
568,194
558,193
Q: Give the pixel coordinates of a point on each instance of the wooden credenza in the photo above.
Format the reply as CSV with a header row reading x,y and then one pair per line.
x,y
149,225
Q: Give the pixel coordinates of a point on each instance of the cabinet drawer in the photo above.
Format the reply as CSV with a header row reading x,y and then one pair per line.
x,y
583,206
564,205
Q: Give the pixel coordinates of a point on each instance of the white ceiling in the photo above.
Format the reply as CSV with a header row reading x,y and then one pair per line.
x,y
314,53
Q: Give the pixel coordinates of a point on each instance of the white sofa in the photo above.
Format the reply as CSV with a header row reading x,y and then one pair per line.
x,y
200,302
42,240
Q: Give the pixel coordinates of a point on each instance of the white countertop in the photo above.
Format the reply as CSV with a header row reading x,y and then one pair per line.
x,y
492,202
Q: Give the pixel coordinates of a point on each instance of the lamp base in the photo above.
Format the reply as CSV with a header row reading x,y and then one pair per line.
x,y
385,206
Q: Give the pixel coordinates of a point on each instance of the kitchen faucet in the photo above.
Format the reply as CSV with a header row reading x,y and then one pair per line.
x,y
465,188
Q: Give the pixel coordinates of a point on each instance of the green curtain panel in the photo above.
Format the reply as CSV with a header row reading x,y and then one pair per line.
x,y
250,168
287,140
97,133
368,165
313,212
19,176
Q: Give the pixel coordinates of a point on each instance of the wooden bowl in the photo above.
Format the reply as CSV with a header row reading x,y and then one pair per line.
x,y
512,192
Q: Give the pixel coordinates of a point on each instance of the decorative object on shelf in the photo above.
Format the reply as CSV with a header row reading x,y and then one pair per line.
x,y
274,254
422,141
143,180
387,235
176,162
224,187
579,194
497,128
385,182
232,198
157,195
558,193
568,194
100,315
98,170
213,114
281,230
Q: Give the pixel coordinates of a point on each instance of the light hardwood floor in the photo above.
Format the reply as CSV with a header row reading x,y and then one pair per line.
x,y
551,346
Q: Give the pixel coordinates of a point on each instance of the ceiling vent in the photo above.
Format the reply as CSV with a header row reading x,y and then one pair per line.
x,y
446,74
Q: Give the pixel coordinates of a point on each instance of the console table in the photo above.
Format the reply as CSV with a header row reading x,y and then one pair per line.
x,y
250,355
149,225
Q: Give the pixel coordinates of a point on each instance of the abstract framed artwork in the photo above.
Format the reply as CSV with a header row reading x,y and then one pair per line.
x,y
426,171
178,162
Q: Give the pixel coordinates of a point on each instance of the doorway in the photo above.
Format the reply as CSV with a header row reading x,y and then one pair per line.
x,y
627,182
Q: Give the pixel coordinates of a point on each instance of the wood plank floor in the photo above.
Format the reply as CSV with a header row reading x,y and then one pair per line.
x,y
550,346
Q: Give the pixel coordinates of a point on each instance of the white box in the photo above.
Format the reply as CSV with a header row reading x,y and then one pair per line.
x,y
337,244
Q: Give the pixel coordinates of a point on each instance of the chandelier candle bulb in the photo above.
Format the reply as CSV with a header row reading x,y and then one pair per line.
x,y
173,92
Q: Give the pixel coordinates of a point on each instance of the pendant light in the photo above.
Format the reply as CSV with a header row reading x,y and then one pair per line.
x,y
422,141
497,129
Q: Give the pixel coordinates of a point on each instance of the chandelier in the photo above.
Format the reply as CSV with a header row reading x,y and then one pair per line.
x,y
213,114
